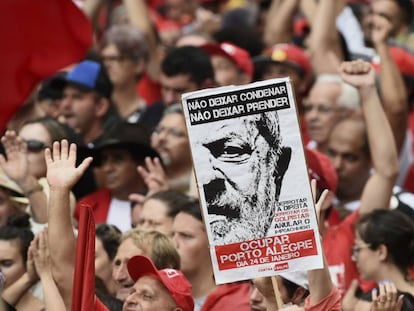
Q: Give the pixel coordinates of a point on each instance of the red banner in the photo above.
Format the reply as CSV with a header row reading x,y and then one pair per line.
x,y
39,38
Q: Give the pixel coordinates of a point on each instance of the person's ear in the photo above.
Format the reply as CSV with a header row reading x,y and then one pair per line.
x,y
101,107
282,165
177,309
382,252
298,296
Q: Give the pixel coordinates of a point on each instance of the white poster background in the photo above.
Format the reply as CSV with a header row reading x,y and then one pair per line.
x,y
295,186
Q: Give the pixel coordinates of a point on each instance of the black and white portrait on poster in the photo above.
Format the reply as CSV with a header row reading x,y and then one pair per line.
x,y
241,159
242,168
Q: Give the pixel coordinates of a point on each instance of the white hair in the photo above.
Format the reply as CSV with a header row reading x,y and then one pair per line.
x,y
349,97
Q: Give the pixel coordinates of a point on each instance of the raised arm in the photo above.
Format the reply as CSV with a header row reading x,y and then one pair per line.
x,y
91,8
320,283
279,21
378,189
324,43
16,166
393,91
62,174
139,17
40,254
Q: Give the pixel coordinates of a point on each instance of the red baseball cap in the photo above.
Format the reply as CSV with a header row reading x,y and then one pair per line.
x,y
174,280
289,54
236,54
403,58
320,168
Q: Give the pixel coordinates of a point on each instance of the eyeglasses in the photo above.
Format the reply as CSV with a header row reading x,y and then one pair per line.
x,y
320,108
112,58
357,248
35,145
169,131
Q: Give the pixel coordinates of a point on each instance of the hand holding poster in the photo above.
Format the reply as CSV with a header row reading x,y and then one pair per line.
x,y
252,180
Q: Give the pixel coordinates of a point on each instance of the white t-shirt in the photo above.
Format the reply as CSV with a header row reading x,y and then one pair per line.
x,y
119,214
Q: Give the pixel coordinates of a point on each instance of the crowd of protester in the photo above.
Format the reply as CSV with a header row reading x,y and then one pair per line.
x,y
109,133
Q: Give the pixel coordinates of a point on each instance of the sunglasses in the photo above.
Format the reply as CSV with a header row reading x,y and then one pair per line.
x,y
35,145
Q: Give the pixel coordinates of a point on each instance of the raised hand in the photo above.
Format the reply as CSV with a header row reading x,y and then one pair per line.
x,y
62,172
357,73
319,204
16,166
350,299
388,298
154,177
40,254
30,264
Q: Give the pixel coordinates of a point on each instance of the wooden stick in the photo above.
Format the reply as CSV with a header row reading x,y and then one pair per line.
x,y
279,301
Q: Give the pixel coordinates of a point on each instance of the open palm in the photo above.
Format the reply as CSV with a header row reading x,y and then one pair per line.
x,y
62,172
16,166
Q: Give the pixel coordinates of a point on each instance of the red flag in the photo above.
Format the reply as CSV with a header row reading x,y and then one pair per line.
x,y
84,298
39,38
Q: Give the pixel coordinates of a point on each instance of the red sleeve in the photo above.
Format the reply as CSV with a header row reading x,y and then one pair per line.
x,y
332,302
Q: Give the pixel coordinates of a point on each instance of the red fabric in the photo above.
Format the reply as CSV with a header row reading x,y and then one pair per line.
x,y
84,298
39,38
332,302
98,201
84,280
337,244
149,90
334,218
228,297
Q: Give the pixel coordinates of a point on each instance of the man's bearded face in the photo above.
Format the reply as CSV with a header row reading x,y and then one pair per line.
x,y
235,216
241,198
238,168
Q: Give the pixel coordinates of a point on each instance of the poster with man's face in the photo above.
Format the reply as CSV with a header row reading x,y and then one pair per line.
x,y
252,180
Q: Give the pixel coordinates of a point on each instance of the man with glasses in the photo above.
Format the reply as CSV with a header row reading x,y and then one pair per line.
x,y
329,100
170,140
126,56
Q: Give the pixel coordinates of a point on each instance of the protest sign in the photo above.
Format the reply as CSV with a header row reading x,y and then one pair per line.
x,y
252,179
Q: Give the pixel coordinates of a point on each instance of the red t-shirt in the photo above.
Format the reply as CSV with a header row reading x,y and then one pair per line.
x,y
149,89
337,244
332,302
99,201
229,297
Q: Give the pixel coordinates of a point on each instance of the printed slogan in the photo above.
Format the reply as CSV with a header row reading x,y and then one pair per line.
x,y
277,249
236,104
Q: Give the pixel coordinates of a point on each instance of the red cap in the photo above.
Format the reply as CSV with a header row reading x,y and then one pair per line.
x,y
321,169
403,58
174,280
288,54
236,54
